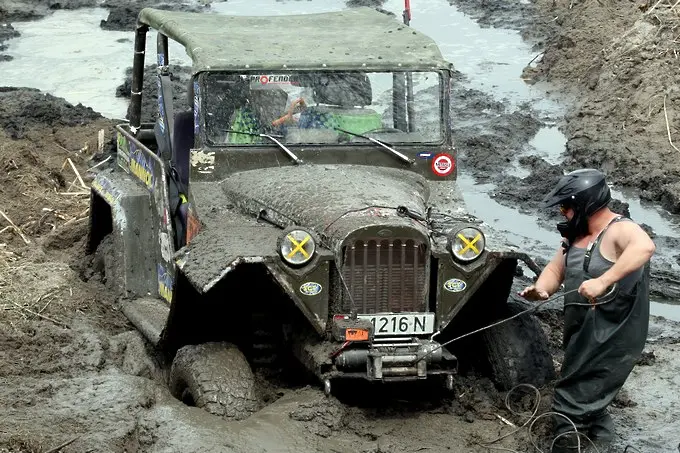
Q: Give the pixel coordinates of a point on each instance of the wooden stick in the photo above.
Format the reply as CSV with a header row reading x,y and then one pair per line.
x,y
100,140
41,316
57,448
506,421
668,127
533,59
62,147
73,193
75,170
654,7
676,4
16,228
100,163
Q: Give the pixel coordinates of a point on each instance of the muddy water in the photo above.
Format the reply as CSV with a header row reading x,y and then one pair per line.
x,y
68,55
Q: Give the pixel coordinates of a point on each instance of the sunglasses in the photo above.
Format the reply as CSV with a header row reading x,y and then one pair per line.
x,y
564,208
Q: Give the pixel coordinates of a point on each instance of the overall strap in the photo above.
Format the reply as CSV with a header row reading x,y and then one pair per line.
x,y
596,242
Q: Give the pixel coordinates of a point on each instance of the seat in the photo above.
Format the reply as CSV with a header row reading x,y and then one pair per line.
x,y
268,105
183,141
341,102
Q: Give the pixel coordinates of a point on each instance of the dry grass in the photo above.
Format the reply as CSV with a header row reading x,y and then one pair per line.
x,y
33,289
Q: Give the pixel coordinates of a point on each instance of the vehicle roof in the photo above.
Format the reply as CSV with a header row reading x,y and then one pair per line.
x,y
355,38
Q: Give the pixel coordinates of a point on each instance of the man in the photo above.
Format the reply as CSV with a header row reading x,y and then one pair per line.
x,y
603,336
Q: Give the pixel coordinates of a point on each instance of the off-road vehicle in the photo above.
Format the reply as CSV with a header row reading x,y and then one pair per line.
x,y
302,199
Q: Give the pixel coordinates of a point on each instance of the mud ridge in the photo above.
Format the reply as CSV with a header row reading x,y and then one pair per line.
x,y
622,63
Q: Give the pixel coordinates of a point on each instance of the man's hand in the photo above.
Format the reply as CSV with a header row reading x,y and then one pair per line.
x,y
593,288
533,293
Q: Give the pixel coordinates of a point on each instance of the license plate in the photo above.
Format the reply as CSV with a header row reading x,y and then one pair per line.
x,y
401,324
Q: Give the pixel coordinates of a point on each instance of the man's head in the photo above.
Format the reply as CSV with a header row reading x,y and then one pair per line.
x,y
579,195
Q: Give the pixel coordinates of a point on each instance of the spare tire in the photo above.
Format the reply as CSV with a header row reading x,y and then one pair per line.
x,y
215,377
517,351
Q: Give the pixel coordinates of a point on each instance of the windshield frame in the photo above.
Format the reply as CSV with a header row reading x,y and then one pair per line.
x,y
443,77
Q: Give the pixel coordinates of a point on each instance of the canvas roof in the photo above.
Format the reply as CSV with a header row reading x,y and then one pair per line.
x,y
348,39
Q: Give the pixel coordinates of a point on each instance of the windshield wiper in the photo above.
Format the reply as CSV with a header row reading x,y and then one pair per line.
x,y
271,137
378,142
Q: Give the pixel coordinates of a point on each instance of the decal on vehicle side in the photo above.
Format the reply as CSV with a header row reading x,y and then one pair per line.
x,y
310,288
141,167
443,165
166,245
106,190
165,283
263,80
161,109
122,150
204,161
193,224
197,107
424,155
455,285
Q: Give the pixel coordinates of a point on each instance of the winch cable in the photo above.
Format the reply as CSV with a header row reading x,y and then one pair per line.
x,y
533,418
522,313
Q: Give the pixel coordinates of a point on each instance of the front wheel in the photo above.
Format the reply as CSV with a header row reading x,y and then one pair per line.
x,y
215,377
517,351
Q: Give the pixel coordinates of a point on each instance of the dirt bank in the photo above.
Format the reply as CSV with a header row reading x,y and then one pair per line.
x,y
621,60
123,13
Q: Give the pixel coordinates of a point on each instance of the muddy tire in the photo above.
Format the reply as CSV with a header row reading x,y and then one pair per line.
x,y
215,377
517,351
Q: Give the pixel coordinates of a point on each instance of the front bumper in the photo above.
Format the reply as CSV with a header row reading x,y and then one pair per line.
x,y
395,359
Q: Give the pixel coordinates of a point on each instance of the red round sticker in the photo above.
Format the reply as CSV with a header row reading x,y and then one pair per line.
x,y
443,165
264,79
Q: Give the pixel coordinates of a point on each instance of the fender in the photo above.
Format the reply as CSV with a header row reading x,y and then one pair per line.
x,y
215,252
120,206
458,284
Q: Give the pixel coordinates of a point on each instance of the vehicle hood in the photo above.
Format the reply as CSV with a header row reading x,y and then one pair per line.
x,y
333,200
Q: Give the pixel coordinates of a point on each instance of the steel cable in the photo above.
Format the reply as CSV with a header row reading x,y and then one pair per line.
x,y
531,422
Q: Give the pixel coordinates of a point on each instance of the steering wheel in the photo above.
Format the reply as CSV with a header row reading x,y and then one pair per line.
x,y
298,105
383,129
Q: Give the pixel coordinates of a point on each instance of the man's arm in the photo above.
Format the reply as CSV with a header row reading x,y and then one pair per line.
x,y
637,248
553,274
550,279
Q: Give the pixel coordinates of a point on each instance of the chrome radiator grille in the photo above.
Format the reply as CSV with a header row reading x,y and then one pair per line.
x,y
385,276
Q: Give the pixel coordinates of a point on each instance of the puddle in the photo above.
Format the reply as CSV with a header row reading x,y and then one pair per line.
x,y
668,311
50,55
520,230
662,222
548,143
497,69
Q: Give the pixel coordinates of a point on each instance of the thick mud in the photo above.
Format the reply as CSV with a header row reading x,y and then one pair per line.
x,y
72,368
621,60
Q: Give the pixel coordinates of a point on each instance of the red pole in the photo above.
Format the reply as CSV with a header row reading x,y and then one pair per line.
x,y
407,11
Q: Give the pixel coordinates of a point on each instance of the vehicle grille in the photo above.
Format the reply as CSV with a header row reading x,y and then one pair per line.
x,y
385,276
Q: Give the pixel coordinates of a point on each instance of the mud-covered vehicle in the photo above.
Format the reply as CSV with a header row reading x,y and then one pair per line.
x,y
301,201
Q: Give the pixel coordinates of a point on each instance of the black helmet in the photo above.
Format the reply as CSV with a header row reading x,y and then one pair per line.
x,y
585,191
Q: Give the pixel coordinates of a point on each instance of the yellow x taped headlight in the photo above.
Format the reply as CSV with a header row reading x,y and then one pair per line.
x,y
297,247
467,244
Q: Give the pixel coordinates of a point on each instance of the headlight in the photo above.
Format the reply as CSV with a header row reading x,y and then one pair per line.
x,y
297,247
467,244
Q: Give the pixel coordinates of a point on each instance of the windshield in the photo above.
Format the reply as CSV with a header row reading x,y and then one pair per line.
x,y
322,107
